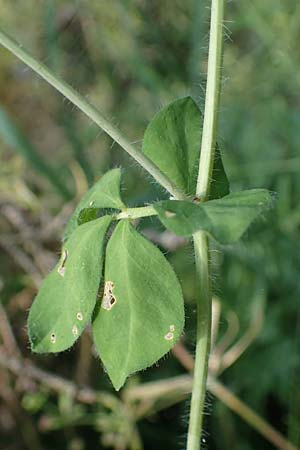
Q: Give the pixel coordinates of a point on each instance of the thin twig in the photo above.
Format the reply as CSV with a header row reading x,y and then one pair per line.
x,y
9,340
215,320
176,386
249,416
166,239
156,389
43,259
21,259
244,342
56,225
28,431
24,422
216,356
235,404
54,382
84,359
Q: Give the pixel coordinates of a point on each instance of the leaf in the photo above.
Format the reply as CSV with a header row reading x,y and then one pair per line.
x,y
67,297
219,186
225,219
142,312
104,194
172,141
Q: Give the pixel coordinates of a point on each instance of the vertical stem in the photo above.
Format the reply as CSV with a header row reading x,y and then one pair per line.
x,y
201,243
212,99
202,341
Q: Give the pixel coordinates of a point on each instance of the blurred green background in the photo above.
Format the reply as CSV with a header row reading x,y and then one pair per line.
x,y
130,58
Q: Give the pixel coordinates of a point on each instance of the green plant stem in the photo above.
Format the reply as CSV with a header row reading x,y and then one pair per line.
x,y
212,99
201,244
91,111
202,340
135,213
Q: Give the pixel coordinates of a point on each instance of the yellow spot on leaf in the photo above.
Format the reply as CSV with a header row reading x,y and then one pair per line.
x,y
169,336
79,316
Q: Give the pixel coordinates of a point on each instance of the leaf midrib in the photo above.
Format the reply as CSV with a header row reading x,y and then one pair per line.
x,y
128,285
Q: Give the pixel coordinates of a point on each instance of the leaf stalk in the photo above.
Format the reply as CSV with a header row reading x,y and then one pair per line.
x,y
136,213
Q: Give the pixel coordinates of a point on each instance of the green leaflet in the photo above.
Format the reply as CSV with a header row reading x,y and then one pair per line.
x,y
104,194
142,312
225,219
219,186
172,141
67,297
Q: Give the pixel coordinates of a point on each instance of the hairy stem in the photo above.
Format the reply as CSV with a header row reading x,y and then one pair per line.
x,y
201,244
202,340
212,99
91,111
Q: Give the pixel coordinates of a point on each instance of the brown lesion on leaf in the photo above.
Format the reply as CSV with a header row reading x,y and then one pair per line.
x,y
61,268
108,299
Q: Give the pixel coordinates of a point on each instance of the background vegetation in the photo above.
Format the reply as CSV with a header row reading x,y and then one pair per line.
x,y
130,58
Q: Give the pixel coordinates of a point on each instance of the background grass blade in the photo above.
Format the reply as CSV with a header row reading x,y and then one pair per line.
x,y
13,137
